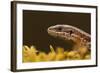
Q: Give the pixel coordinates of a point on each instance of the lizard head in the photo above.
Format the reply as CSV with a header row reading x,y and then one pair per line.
x,y
62,31
68,32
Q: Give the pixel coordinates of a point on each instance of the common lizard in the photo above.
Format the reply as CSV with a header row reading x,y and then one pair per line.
x,y
68,32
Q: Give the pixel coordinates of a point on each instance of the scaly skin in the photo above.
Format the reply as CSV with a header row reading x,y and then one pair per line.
x,y
68,32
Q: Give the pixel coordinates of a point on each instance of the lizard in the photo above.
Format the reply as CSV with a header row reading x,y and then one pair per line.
x,y
69,32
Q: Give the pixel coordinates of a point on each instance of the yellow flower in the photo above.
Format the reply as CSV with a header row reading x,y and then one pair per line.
x,y
73,55
41,56
51,56
60,54
51,48
29,53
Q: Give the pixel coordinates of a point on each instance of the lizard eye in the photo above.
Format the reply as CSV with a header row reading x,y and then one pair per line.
x,y
71,32
59,29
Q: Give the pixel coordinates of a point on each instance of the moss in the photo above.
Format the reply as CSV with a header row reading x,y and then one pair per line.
x,y
31,54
